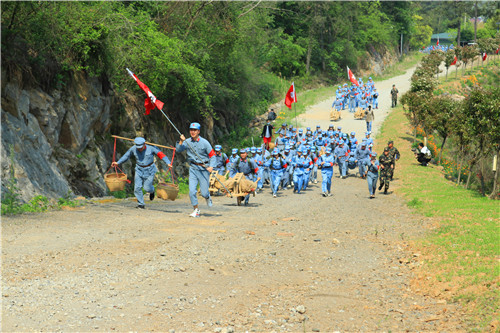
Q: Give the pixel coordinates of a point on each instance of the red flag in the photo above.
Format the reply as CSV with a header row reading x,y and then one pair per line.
x,y
351,76
498,49
484,56
454,61
150,102
291,97
437,43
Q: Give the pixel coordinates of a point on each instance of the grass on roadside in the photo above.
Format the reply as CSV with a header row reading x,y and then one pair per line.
x,y
461,254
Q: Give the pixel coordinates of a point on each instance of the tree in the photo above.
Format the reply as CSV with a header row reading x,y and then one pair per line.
x,y
442,110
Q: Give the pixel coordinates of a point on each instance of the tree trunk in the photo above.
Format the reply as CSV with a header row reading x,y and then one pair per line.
x,y
471,171
308,56
441,151
483,185
494,192
446,73
459,169
458,30
475,21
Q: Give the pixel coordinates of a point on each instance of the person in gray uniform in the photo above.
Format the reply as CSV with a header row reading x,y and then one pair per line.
x,y
199,154
145,168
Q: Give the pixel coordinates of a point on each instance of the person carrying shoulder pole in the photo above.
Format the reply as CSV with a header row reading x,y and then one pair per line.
x,y
199,155
145,168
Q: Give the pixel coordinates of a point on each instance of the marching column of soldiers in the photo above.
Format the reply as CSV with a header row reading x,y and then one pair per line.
x,y
294,159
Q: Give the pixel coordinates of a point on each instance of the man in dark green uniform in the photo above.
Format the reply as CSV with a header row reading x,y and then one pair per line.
x,y
394,153
386,169
394,95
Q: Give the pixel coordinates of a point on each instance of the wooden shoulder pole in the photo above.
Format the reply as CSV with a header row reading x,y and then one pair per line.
x,y
148,143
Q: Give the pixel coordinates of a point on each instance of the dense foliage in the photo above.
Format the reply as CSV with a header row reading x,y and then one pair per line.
x,y
473,123
201,58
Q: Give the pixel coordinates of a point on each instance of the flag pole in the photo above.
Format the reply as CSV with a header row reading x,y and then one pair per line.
x,y
171,123
194,151
296,120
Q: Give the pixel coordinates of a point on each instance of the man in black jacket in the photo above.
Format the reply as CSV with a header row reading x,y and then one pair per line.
x,y
267,133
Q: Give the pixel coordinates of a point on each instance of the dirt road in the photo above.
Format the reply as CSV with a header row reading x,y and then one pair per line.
x,y
293,263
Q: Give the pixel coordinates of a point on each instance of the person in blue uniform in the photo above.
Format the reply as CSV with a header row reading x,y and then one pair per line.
x,y
260,160
307,171
352,99
145,168
277,165
375,98
247,167
288,172
351,162
326,162
362,158
201,165
372,174
369,140
314,172
234,156
221,160
300,164
341,154
353,141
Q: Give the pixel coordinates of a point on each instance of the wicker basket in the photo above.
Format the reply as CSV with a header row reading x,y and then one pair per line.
x,y
167,191
271,145
115,182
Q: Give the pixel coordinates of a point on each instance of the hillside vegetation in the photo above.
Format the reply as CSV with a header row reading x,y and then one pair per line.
x,y
200,58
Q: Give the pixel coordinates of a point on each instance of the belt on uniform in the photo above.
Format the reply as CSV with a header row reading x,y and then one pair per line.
x,y
145,166
276,169
199,164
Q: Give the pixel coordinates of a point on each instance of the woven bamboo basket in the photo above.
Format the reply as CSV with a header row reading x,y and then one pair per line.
x,y
167,191
115,182
271,145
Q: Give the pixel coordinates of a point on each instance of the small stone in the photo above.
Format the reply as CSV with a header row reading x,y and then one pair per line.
x,y
301,309
212,268
316,330
317,240
218,329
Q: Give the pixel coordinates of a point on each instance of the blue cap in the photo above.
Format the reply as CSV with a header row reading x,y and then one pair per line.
x,y
139,142
313,148
276,151
353,133
299,150
284,124
373,154
317,126
253,149
367,133
370,78
218,147
344,135
341,142
363,144
309,128
339,128
287,149
259,150
328,150
301,130
243,150
195,126
235,151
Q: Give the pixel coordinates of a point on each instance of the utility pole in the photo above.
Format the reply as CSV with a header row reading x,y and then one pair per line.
x,y
401,45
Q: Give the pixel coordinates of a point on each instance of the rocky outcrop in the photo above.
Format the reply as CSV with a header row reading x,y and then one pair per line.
x,y
49,138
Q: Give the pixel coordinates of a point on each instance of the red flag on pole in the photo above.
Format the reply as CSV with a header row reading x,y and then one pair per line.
x,y
484,56
437,43
291,97
150,102
454,61
351,76
498,49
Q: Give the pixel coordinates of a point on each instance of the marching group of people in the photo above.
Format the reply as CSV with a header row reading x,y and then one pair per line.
x,y
363,96
290,161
